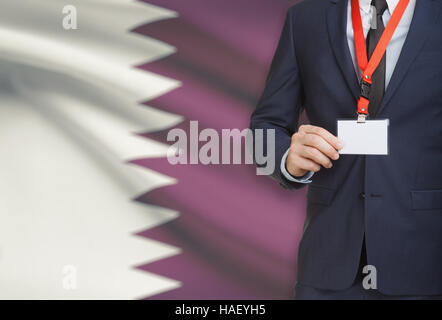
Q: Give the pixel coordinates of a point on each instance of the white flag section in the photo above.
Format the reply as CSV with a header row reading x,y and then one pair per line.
x,y
69,108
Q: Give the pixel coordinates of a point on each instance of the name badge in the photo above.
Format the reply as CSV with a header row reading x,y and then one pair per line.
x,y
369,137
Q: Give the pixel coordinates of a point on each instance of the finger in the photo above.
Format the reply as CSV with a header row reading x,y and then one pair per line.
x,y
317,156
307,164
316,141
326,135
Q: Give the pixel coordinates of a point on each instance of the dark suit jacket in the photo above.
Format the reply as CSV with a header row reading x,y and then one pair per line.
x,y
395,200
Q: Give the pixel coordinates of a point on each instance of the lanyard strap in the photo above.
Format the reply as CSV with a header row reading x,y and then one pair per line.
x,y
369,67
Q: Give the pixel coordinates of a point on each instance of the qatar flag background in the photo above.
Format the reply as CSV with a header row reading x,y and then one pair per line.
x,y
90,207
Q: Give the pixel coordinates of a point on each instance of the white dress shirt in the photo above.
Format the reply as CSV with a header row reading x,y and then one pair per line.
x,y
392,54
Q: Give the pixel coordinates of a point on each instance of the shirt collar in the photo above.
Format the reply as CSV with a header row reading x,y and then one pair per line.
x,y
365,5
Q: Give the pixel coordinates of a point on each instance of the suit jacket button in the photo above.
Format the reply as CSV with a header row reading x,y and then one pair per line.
x,y
362,195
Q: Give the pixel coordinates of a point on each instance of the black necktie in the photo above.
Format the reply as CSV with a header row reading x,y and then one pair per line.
x,y
378,79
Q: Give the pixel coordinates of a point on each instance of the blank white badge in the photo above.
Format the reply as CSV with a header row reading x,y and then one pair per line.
x,y
370,137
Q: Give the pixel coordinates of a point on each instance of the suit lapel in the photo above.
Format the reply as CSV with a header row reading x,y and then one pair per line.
x,y
424,16
337,31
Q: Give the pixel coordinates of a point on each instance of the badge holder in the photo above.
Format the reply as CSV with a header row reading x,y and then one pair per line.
x,y
362,136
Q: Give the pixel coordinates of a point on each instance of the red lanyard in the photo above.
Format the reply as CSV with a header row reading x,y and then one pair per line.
x,y
369,67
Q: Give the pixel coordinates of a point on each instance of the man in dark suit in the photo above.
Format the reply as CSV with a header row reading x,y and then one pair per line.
x,y
379,210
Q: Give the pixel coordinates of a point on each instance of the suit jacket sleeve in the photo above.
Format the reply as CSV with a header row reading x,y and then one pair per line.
x,y
279,106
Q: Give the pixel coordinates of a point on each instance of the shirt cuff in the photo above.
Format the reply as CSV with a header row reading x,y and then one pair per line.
x,y
305,179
